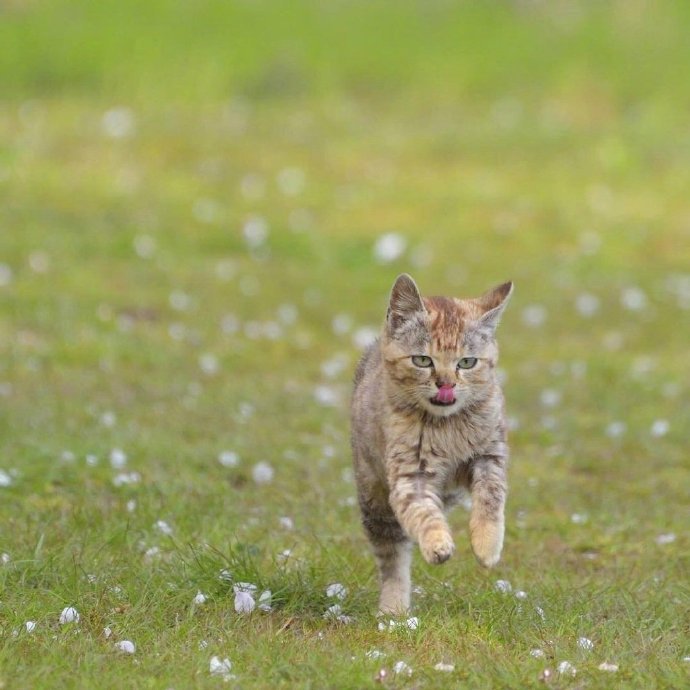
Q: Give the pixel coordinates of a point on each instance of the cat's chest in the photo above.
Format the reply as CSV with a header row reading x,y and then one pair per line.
x,y
451,444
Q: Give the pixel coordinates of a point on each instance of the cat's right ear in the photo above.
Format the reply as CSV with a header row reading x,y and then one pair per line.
x,y
405,301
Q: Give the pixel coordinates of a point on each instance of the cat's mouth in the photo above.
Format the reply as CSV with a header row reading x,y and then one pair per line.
x,y
444,397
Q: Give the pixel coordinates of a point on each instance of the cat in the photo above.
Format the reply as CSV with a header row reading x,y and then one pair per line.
x,y
428,423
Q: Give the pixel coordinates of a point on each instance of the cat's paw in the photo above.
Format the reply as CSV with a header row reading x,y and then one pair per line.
x,y
436,546
487,542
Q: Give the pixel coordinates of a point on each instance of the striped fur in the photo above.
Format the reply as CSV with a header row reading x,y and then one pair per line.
x,y
413,457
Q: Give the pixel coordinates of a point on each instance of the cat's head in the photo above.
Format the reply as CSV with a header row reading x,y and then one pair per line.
x,y
440,353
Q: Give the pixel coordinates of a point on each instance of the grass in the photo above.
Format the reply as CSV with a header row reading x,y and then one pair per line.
x,y
546,143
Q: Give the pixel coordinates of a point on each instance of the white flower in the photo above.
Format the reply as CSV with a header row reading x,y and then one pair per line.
x,y
125,646
69,615
374,654
605,666
118,458
336,590
244,599
520,594
208,363
503,586
586,304
5,275
5,479
579,518
585,643
265,601
5,558
537,653
333,611
225,575
616,429
446,668
667,538
202,644
565,668
228,458
124,478
341,324
255,231
144,246
163,527
30,626
400,667
326,396
412,623
131,505
118,123
550,397
291,181
633,299
660,428
107,632
540,612
286,522
364,336
199,598
221,667
389,247
534,315
262,473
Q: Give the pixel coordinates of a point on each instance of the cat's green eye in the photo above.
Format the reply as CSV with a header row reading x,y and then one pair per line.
x,y
422,361
467,362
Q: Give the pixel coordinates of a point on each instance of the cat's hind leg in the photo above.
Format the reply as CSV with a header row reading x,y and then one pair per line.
x,y
393,552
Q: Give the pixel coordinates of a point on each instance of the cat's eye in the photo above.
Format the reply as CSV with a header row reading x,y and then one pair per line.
x,y
467,362
422,361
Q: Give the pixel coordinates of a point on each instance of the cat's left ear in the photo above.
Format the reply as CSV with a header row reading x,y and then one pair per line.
x,y
493,303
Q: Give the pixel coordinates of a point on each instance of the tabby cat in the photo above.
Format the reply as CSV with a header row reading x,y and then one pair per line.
x,y
427,423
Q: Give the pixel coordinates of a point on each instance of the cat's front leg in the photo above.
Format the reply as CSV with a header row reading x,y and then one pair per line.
x,y
488,487
419,509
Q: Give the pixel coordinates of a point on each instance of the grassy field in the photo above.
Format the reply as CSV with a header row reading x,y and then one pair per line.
x,y
193,197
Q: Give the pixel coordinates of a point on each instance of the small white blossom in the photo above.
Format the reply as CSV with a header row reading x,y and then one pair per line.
x,y
131,505
401,668
262,473
5,558
565,668
118,458
199,598
5,275
550,397
336,590
326,396
228,458
537,653
503,586
585,643
5,479
202,644
374,654
586,304
633,299
605,666
616,429
579,518
69,615
163,527
446,668
118,123
333,611
124,478
520,594
666,538
255,231
389,247
107,632
660,427
534,315
540,612
30,626
221,667
364,336
265,599
208,363
125,646
286,522
341,324
244,597
412,623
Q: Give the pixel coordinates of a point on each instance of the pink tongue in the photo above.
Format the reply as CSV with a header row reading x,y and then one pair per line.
x,y
445,394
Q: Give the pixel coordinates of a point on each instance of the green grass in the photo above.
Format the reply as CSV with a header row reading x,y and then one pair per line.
x,y
532,141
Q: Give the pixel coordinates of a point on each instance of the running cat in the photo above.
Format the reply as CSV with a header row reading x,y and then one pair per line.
x,y
428,422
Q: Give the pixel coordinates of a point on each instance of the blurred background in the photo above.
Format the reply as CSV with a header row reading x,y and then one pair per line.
x,y
204,203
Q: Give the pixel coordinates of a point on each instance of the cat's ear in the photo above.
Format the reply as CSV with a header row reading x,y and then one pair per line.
x,y
493,303
405,301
